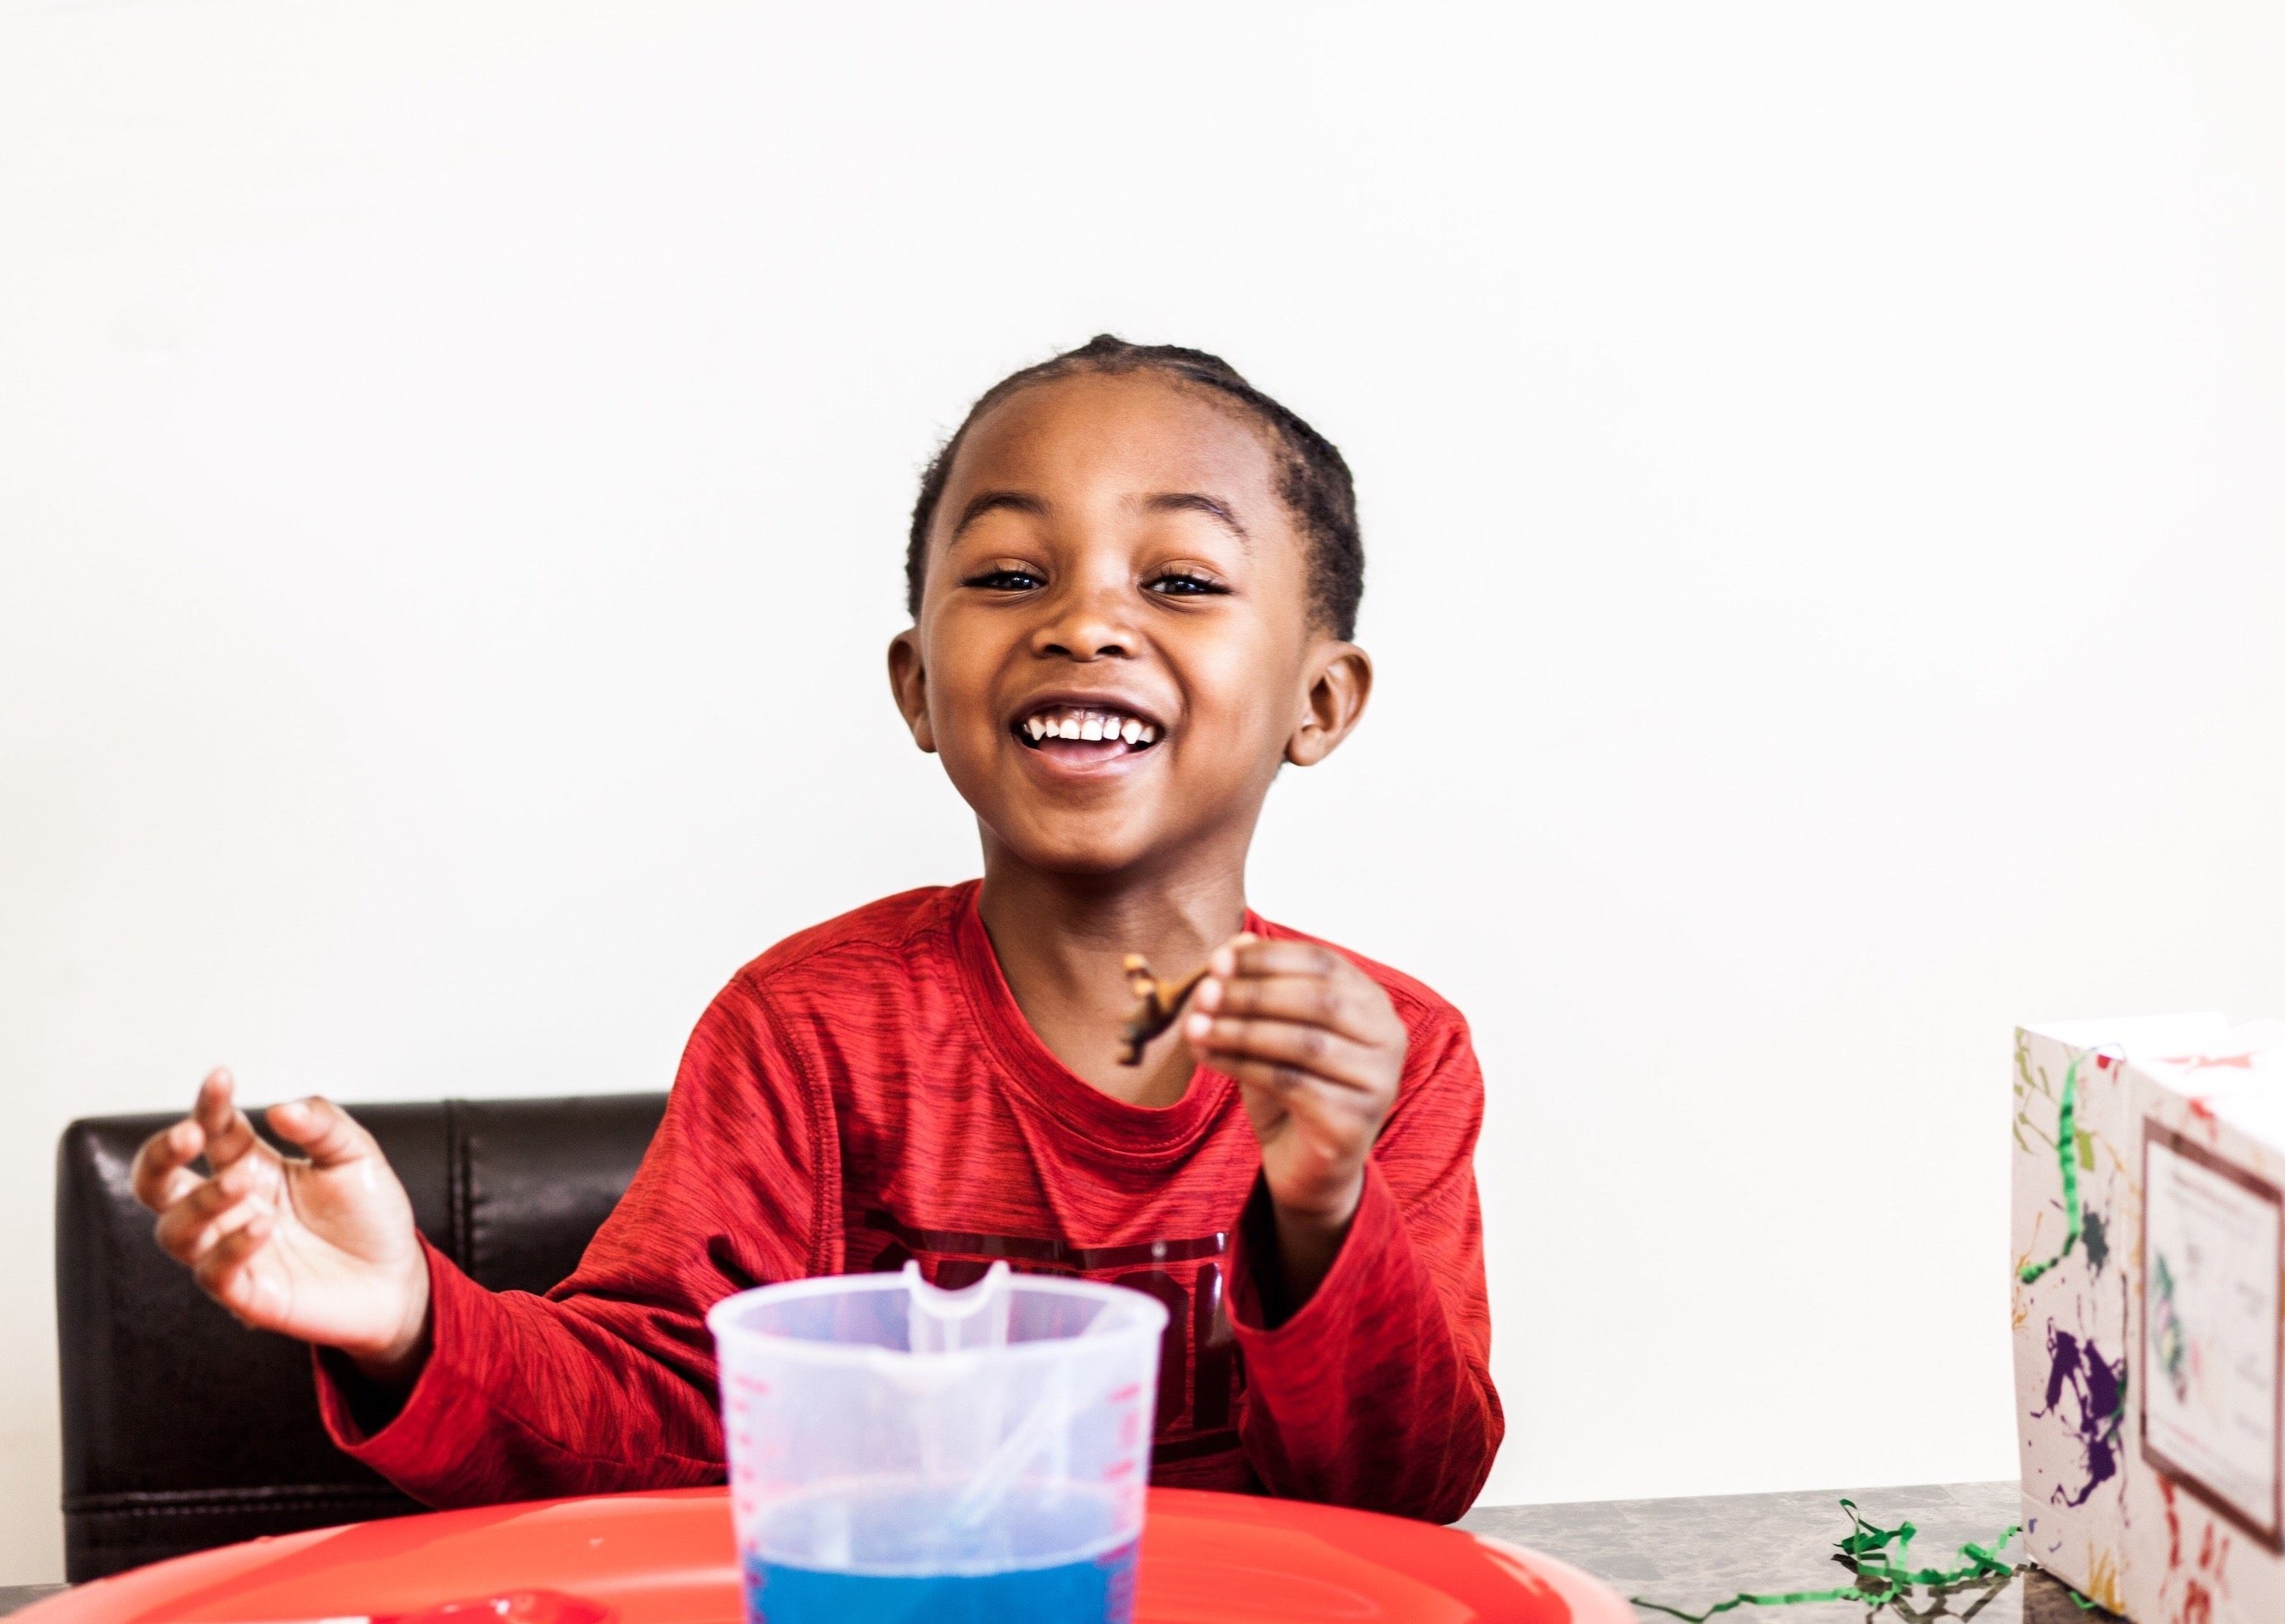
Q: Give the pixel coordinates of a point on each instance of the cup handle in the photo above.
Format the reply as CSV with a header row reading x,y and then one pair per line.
x,y
941,1322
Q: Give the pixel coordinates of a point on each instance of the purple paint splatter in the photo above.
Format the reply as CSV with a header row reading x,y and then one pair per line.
x,y
2097,1388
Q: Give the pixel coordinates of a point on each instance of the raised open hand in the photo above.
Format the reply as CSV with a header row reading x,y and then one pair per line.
x,y
320,1246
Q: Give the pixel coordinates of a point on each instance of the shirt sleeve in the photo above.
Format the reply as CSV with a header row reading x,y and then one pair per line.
x,y
607,1382
1378,1393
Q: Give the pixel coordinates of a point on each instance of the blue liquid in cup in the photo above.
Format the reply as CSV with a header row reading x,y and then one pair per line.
x,y
1050,1555
1092,1590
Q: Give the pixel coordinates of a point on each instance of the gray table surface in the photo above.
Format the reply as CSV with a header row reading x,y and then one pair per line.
x,y
1693,1553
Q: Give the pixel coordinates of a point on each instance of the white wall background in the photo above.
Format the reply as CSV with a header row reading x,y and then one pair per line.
x,y
1821,469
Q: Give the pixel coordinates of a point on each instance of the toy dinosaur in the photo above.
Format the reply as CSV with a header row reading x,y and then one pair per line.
x,y
1157,1003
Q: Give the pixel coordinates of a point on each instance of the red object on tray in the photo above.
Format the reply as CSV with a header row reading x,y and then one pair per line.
x,y
669,1559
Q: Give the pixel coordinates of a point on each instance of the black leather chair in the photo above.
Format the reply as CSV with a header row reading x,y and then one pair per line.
x,y
181,1429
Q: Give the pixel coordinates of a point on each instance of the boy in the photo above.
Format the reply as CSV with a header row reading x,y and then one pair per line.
x,y
1134,579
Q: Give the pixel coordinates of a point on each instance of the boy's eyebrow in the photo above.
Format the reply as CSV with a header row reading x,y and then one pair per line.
x,y
1158,502
1197,502
996,501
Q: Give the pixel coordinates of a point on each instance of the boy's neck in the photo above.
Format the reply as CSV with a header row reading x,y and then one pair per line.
x,y
1062,939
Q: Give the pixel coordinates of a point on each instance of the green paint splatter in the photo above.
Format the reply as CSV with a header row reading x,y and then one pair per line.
x,y
2066,1136
2027,1084
1881,1560
2166,1322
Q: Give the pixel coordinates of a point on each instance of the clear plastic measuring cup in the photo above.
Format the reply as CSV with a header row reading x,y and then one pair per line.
x,y
901,1451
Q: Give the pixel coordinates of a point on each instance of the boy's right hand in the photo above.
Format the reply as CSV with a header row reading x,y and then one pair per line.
x,y
323,1249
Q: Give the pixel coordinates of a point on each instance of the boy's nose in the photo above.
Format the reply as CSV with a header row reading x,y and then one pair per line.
x,y
1086,625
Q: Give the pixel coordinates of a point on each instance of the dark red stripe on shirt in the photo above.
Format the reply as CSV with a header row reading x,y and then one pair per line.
x,y
1020,1249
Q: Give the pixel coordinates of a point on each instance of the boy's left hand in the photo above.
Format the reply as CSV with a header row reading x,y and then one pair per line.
x,y
1317,1050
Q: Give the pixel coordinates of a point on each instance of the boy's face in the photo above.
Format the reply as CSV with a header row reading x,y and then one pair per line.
x,y
1111,556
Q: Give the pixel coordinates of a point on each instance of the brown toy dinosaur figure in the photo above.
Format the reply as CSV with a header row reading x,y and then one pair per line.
x,y
1157,1003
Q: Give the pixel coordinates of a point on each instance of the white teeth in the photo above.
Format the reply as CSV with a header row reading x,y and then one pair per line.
x,y
1104,726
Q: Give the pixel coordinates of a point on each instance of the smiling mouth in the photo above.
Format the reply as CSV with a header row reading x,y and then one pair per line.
x,y
1084,733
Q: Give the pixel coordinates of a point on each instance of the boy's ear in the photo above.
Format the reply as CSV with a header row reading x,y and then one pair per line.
x,y
909,684
1339,682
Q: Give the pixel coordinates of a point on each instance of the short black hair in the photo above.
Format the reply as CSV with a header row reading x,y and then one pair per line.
x,y
1317,485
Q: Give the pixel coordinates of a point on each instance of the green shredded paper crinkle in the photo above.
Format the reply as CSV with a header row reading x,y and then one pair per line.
x,y
1881,1560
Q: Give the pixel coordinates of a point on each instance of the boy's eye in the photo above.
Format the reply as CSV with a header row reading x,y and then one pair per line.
x,y
1182,584
1006,578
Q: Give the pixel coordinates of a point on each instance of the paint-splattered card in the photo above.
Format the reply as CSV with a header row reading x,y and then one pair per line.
x,y
2148,1256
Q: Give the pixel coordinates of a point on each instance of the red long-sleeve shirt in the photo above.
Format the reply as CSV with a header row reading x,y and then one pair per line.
x,y
867,1092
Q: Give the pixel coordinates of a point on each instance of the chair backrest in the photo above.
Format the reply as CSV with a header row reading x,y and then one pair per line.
x,y
181,1429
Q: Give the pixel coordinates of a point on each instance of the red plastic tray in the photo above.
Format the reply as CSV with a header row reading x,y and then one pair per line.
x,y
668,1558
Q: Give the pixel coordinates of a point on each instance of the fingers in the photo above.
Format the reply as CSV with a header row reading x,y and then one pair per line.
x,y
323,1130
228,1136
162,1173
222,1270
1248,954
215,1129
1281,1053
1332,1004
1294,981
217,1208
1290,1011
1317,1051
